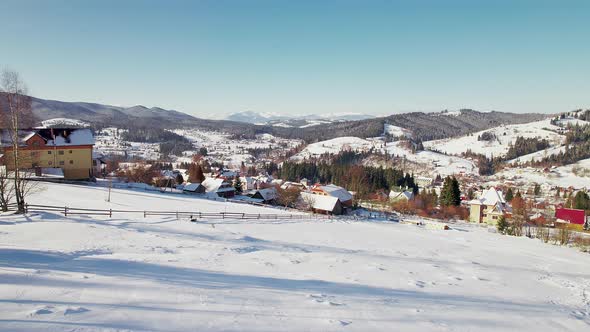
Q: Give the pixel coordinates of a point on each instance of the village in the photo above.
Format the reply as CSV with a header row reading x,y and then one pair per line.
x,y
70,155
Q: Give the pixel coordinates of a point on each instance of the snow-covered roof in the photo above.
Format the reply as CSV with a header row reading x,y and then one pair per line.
x,y
320,202
216,185
268,193
491,197
192,187
403,194
338,192
72,137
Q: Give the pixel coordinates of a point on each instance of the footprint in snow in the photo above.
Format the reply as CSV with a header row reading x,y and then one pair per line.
x,y
73,311
419,283
46,310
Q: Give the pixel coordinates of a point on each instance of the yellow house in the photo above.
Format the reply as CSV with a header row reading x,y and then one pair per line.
x,y
489,207
68,149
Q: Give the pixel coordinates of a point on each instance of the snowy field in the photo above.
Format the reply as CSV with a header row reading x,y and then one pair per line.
x,y
431,162
131,273
505,135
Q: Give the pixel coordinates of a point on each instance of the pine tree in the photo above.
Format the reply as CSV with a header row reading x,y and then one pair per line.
x,y
455,192
238,185
450,194
537,189
581,201
509,195
502,225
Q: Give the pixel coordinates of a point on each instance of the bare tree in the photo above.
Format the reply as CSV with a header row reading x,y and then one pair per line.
x,y
6,189
16,114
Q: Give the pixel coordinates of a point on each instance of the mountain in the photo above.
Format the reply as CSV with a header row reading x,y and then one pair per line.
x,y
44,109
294,120
311,128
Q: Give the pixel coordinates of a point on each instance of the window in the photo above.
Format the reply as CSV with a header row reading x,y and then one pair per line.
x,y
35,143
495,217
49,152
61,163
61,152
71,162
70,151
50,163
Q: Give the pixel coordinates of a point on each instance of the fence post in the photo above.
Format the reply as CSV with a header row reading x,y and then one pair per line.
x,y
259,216
222,215
110,213
65,211
176,215
144,214
27,208
243,216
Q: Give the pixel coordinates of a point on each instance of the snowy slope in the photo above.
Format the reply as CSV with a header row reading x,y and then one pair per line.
x,y
88,273
64,122
433,162
563,176
505,134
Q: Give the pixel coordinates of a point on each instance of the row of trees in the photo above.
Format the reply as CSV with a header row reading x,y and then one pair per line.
x,y
361,179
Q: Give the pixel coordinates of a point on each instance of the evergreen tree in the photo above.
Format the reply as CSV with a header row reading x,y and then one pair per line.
x,y
179,179
450,194
455,192
502,225
537,189
557,193
238,185
581,201
509,195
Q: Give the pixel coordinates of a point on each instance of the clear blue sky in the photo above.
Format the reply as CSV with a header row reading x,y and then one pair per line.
x,y
213,57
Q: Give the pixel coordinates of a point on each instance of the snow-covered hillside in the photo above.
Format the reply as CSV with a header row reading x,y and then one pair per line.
x,y
64,122
431,162
129,273
505,135
575,175
109,141
232,151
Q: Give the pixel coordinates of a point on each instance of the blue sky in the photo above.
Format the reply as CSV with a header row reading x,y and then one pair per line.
x,y
214,57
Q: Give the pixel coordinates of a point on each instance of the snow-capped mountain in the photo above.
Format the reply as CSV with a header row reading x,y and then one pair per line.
x,y
283,120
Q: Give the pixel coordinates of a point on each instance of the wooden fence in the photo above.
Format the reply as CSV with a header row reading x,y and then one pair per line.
x,y
193,215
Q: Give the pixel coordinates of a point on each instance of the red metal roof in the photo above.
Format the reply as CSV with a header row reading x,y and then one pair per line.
x,y
573,216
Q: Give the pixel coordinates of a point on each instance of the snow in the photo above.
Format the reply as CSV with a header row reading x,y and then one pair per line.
x,y
129,273
63,122
77,137
335,191
505,134
433,162
537,155
396,131
562,176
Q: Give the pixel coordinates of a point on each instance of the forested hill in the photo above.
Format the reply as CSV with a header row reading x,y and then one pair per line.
x,y
424,126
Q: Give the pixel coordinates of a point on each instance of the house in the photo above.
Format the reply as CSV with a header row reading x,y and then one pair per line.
x,y
219,186
98,164
423,182
323,203
342,194
570,216
489,207
404,195
290,185
193,188
69,149
267,195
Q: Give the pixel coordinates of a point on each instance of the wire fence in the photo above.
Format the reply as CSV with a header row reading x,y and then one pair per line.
x,y
193,215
